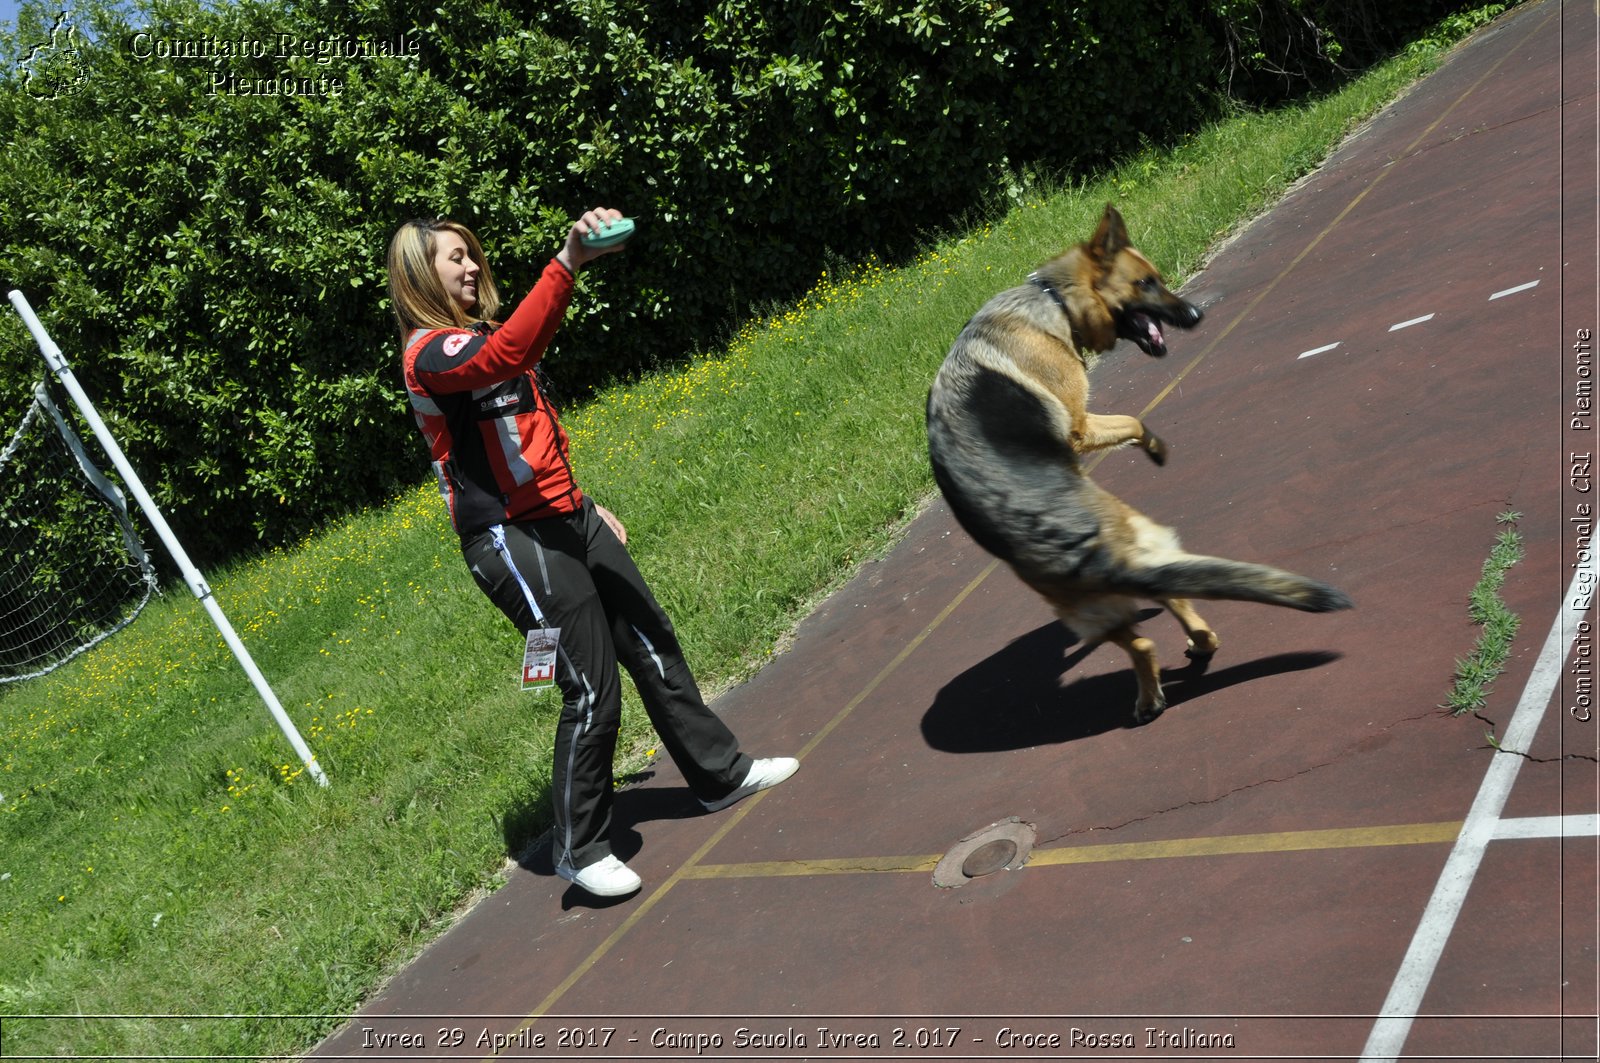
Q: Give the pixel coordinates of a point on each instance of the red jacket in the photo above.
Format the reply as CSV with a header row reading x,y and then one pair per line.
x,y
498,449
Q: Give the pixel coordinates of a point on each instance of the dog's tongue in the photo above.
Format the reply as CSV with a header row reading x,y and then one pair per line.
x,y
1155,331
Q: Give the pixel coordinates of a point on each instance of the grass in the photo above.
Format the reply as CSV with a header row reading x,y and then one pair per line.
x,y
160,852
1486,609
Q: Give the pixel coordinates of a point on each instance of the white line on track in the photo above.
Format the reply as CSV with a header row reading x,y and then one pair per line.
x,y
1319,350
1413,321
1549,827
1482,825
1513,291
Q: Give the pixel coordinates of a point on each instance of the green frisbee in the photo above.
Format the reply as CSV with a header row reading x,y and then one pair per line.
x,y
610,234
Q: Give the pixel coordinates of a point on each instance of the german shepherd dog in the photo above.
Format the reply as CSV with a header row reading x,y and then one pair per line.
x,y
1008,428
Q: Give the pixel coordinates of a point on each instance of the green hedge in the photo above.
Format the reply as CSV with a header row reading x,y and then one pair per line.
x,y
212,261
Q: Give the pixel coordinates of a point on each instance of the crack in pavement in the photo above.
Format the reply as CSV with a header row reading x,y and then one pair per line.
x,y
1494,744
1353,747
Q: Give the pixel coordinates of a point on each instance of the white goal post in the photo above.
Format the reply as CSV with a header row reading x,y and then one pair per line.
x,y
57,364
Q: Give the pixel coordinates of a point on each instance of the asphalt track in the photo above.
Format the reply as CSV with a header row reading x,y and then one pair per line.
x,y
1303,858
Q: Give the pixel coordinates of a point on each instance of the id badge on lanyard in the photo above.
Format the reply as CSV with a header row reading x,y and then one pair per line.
x,y
539,659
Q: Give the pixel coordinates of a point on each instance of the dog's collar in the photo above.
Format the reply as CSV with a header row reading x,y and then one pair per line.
x,y
1066,311
1049,289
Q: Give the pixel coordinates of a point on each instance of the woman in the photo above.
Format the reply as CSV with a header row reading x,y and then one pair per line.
x,y
537,545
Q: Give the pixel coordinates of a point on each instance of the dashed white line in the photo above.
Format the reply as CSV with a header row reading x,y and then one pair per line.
x,y
1513,291
1419,320
1320,350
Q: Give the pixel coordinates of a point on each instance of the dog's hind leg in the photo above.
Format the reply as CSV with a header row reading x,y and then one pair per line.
x,y
1100,430
1151,701
1203,641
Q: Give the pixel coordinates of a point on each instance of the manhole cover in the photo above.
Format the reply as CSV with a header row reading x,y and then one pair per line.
x,y
1002,846
988,858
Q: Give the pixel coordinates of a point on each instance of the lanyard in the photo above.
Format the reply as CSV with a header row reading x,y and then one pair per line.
x,y
498,535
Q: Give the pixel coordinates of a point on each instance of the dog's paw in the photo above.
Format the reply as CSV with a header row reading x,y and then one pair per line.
x,y
1154,447
1144,712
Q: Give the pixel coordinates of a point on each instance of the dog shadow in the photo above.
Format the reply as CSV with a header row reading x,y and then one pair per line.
x,y
1023,695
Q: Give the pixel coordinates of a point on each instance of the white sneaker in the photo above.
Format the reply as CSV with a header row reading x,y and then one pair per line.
x,y
606,877
762,774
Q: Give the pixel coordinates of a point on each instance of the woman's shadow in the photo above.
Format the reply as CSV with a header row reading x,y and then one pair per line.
x,y
1024,695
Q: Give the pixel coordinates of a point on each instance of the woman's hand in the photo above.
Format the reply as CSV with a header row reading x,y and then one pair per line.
x,y
612,522
574,254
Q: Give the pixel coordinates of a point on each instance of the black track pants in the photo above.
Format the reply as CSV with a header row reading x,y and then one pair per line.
x,y
583,581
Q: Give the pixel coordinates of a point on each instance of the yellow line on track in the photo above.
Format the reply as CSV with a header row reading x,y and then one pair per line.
x,y
1240,844
844,865
1224,845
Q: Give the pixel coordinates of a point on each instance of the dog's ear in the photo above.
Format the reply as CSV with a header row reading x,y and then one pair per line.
x,y
1110,238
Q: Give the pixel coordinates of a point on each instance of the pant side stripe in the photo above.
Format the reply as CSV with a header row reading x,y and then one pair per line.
x,y
661,669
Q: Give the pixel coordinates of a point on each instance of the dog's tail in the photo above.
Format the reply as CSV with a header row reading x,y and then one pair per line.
x,y
1198,576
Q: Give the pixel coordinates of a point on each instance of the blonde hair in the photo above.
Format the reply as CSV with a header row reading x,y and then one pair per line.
x,y
415,291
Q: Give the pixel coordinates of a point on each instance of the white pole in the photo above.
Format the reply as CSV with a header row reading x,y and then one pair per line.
x,y
58,365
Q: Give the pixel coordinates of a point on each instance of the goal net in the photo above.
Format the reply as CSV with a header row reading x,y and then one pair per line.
x,y
72,570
